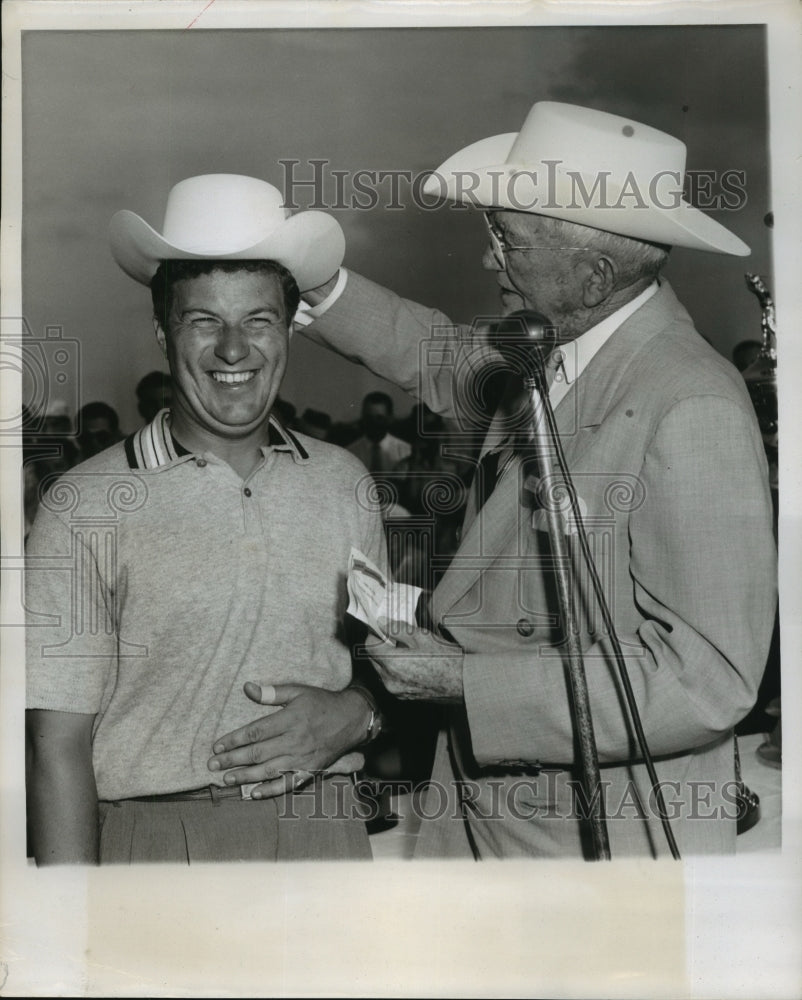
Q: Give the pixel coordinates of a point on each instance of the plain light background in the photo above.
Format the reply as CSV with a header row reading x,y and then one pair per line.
x,y
113,119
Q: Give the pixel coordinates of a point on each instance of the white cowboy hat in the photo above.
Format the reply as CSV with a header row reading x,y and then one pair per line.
x,y
588,167
229,217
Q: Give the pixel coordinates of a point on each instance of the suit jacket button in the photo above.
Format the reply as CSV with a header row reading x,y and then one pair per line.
x,y
525,627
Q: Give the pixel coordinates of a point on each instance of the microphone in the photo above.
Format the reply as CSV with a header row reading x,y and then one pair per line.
x,y
524,339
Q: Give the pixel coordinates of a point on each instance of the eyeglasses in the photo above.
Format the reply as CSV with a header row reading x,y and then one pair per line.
x,y
500,246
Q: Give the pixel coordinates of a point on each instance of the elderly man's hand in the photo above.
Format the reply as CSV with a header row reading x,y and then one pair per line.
x,y
284,750
421,667
314,296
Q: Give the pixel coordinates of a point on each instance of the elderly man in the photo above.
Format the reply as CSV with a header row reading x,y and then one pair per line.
x,y
659,434
206,550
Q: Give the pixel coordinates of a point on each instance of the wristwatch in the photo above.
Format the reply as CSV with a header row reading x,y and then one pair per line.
x,y
375,722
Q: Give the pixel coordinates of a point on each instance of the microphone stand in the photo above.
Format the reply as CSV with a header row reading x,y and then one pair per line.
x,y
536,385
525,349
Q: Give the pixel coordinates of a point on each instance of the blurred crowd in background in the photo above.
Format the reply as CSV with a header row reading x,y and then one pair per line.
x,y
419,479
414,460
55,439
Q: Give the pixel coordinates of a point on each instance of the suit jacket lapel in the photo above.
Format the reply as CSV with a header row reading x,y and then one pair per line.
x,y
588,401
583,407
487,535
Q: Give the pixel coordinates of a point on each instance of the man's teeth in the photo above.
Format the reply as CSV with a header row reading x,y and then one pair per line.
x,y
232,377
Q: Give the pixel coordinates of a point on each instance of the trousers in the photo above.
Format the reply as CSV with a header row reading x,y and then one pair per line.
x,y
321,822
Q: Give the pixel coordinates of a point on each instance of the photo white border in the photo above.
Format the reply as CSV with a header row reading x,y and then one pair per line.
x,y
706,928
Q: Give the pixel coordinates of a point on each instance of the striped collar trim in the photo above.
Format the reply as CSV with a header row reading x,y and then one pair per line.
x,y
153,446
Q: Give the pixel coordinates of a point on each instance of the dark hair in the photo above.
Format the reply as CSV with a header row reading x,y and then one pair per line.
x,y
98,411
171,271
744,353
284,409
153,382
316,418
378,397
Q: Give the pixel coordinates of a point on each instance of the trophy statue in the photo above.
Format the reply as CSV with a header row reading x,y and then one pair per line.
x,y
761,375
761,381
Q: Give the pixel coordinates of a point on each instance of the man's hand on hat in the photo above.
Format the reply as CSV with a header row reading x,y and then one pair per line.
x,y
314,296
417,664
284,750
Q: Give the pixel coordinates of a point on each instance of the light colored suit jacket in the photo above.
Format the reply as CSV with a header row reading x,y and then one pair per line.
x,y
661,439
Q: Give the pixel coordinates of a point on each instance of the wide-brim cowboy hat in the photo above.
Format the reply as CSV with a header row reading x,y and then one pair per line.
x,y
229,217
588,167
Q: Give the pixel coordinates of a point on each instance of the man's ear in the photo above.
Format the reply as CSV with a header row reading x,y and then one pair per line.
x,y
161,336
599,284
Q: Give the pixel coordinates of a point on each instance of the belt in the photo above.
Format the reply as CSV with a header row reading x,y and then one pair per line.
x,y
209,793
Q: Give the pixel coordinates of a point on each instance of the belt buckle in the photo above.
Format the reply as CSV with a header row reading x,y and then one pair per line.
x,y
219,793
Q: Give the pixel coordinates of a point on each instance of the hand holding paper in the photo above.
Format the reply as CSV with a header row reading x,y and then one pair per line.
x,y
373,597
412,662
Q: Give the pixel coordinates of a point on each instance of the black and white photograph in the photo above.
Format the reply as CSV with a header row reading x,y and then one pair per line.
x,y
401,500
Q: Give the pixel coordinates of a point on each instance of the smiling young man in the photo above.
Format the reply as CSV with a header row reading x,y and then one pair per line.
x,y
206,551
227,350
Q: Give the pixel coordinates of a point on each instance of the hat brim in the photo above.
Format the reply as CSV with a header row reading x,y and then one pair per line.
x,y
311,245
481,175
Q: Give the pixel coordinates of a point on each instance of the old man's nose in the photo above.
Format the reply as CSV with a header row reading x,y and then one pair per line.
x,y
490,261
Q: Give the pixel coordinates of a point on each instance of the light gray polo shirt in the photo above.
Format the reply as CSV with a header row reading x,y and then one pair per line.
x,y
158,582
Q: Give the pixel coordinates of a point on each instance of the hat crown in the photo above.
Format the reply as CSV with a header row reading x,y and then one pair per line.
x,y
595,142
221,213
589,167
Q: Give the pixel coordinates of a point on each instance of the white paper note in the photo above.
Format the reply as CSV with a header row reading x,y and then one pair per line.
x,y
373,596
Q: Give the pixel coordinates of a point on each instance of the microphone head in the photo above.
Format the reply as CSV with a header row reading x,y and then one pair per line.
x,y
524,339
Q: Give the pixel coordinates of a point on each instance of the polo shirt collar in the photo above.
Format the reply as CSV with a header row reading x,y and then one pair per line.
x,y
153,446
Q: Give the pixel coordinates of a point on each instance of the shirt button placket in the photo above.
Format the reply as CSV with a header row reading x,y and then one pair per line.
x,y
251,512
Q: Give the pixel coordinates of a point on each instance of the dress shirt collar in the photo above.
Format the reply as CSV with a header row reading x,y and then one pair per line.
x,y
576,356
578,353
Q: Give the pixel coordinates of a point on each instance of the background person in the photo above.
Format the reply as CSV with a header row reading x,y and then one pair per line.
x,y
315,423
154,392
744,353
98,428
377,448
